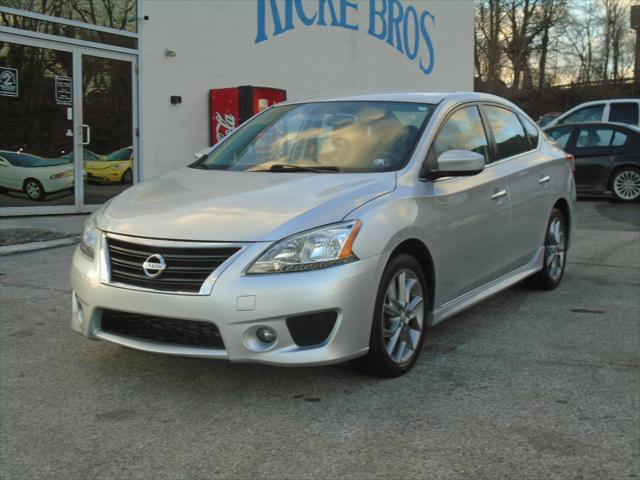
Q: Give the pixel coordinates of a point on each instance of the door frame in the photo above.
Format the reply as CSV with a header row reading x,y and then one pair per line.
x,y
77,52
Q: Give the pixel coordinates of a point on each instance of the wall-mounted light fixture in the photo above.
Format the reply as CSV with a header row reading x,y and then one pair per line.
x,y
169,53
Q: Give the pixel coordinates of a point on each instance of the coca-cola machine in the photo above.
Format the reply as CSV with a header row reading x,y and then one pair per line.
x,y
232,106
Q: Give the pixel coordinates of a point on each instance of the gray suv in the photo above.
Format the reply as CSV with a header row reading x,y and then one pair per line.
x,y
329,230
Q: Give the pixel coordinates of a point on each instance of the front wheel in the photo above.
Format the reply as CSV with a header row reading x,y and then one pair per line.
x,y
625,184
34,189
399,319
555,254
127,178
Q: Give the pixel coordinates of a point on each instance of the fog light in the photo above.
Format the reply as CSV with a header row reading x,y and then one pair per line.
x,y
266,334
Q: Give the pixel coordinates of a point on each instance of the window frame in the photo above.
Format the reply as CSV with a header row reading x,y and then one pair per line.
x,y
430,163
494,145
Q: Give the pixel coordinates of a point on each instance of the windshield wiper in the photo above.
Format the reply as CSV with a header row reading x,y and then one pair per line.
x,y
283,167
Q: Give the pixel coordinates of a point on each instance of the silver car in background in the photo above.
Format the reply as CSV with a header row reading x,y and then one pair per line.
x,y
329,230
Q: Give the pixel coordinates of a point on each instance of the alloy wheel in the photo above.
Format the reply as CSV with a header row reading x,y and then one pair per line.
x,y
403,316
626,185
555,249
33,190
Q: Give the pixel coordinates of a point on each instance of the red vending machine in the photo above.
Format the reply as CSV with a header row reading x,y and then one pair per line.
x,y
229,107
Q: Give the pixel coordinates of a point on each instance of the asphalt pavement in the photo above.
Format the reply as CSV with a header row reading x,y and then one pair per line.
x,y
527,385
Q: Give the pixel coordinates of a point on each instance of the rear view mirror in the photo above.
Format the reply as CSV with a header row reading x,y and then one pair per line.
x,y
457,163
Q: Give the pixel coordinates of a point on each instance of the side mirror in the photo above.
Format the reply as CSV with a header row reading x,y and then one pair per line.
x,y
457,163
202,152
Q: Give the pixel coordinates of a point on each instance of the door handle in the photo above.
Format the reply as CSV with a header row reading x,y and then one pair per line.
x,y
544,179
86,139
498,194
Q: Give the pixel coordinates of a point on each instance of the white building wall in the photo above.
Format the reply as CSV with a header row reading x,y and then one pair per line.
x,y
215,45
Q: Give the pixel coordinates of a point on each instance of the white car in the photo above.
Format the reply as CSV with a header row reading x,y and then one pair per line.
x,y
33,175
621,110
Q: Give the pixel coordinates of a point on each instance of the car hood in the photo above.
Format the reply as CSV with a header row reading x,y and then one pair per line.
x,y
102,164
192,204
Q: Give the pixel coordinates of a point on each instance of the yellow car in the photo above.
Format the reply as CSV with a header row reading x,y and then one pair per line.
x,y
117,167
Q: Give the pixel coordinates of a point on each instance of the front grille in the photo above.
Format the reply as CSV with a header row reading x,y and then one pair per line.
x,y
187,268
311,329
160,329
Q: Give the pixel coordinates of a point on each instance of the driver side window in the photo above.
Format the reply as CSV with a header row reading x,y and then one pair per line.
x,y
462,131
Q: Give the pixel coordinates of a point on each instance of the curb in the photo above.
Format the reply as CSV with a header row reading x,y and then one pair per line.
x,y
33,246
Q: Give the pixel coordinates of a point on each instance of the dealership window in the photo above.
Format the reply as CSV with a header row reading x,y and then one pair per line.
x,y
117,14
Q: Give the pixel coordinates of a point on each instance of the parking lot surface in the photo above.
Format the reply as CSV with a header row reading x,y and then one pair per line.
x,y
526,385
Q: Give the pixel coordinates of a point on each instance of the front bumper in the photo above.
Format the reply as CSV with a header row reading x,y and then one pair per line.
x,y
58,184
348,289
105,175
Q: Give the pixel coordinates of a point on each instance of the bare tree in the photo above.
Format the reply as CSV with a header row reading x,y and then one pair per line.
x,y
489,48
519,32
551,13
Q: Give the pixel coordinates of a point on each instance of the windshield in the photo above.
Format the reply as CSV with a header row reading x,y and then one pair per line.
x,y
323,137
119,155
27,160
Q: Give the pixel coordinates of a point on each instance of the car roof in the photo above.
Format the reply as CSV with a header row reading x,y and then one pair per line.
x,y
606,100
416,97
633,128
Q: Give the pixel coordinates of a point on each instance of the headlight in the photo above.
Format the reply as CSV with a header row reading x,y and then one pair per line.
x,y
66,173
89,241
310,250
116,167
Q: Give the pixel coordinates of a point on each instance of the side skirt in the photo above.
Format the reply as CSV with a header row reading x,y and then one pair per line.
x,y
485,291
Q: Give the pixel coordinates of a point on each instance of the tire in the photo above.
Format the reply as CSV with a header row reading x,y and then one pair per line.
x,y
555,254
34,189
625,184
127,177
385,358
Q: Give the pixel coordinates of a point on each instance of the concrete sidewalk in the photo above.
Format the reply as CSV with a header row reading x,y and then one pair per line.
x,y
24,234
71,224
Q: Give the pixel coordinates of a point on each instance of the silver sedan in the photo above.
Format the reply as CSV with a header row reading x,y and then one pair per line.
x,y
330,230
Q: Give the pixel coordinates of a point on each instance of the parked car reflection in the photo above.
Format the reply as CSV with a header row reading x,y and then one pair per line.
x,y
34,175
117,167
87,156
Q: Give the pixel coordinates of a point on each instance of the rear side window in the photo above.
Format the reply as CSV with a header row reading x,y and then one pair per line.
x,y
620,139
592,113
624,113
594,137
462,131
508,132
560,136
532,131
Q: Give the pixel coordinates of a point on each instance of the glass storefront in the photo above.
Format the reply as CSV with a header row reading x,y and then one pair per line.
x,y
67,129
118,14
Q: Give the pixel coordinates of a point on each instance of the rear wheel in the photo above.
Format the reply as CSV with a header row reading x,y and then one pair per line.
x,y
625,184
34,190
399,319
555,254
